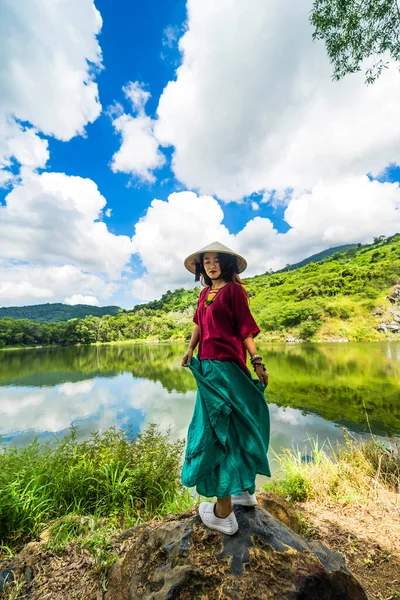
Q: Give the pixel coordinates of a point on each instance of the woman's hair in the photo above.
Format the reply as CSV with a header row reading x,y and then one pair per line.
x,y
229,269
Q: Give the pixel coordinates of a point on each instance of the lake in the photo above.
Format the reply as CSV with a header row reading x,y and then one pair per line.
x,y
315,390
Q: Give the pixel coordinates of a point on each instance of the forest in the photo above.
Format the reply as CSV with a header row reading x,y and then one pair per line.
x,y
56,312
343,296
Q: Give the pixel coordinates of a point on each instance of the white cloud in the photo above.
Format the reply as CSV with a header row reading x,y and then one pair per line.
x,y
255,206
25,283
137,94
354,210
253,106
29,410
48,55
167,233
12,290
171,411
170,36
79,299
72,388
53,219
23,145
139,154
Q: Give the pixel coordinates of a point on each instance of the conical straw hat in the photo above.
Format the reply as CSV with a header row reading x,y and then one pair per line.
x,y
190,261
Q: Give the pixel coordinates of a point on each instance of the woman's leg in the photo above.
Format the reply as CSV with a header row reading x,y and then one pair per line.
x,y
223,508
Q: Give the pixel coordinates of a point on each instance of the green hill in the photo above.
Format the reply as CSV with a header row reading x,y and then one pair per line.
x,y
51,313
318,257
342,294
353,294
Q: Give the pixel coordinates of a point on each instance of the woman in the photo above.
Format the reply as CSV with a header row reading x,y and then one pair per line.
x,y
228,436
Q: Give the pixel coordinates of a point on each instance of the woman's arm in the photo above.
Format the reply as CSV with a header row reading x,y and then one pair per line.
x,y
251,349
250,345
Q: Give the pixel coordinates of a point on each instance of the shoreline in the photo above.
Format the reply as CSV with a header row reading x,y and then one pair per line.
x,y
156,341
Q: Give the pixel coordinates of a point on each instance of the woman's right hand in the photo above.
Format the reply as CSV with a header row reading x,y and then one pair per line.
x,y
187,357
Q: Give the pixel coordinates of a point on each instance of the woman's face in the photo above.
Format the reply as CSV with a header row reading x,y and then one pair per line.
x,y
211,265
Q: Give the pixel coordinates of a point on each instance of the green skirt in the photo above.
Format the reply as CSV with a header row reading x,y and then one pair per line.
x,y
228,436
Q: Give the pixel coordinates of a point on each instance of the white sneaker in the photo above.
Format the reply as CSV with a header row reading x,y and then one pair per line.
x,y
229,525
245,499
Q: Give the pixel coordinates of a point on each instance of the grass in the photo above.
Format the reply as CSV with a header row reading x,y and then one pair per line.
x,y
353,473
78,495
112,480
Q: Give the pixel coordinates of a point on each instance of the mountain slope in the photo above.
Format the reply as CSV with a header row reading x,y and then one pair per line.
x,y
50,313
344,295
317,257
352,295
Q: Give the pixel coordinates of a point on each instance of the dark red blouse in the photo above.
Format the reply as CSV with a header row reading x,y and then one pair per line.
x,y
224,324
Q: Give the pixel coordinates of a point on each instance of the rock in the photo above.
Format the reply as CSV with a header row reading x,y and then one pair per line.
x,y
15,569
6,576
265,560
292,340
280,509
27,574
395,295
382,327
393,326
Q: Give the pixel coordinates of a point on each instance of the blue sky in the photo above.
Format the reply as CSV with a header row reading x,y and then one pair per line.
x,y
139,55
239,139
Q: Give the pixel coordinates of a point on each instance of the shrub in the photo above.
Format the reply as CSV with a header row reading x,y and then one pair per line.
x,y
307,291
370,293
308,329
293,314
339,309
111,474
361,333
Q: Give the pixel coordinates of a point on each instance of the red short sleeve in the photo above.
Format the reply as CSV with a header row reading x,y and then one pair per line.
x,y
244,322
196,314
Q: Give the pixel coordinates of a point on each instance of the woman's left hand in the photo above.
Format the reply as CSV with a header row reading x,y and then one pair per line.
x,y
262,375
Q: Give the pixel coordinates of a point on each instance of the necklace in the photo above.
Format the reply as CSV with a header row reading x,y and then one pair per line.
x,y
211,295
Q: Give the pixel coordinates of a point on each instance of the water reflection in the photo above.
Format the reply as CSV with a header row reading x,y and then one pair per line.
x,y
313,391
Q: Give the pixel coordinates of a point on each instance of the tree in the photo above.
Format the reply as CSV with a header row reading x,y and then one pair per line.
x,y
356,30
379,239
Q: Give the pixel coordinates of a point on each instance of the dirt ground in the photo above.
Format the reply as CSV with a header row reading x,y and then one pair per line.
x,y
368,537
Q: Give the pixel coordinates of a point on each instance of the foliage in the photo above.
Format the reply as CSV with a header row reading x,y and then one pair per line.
x,y
51,313
356,30
308,329
172,301
352,473
335,296
110,475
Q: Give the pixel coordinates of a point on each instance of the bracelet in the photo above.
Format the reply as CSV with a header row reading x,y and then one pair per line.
x,y
255,357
